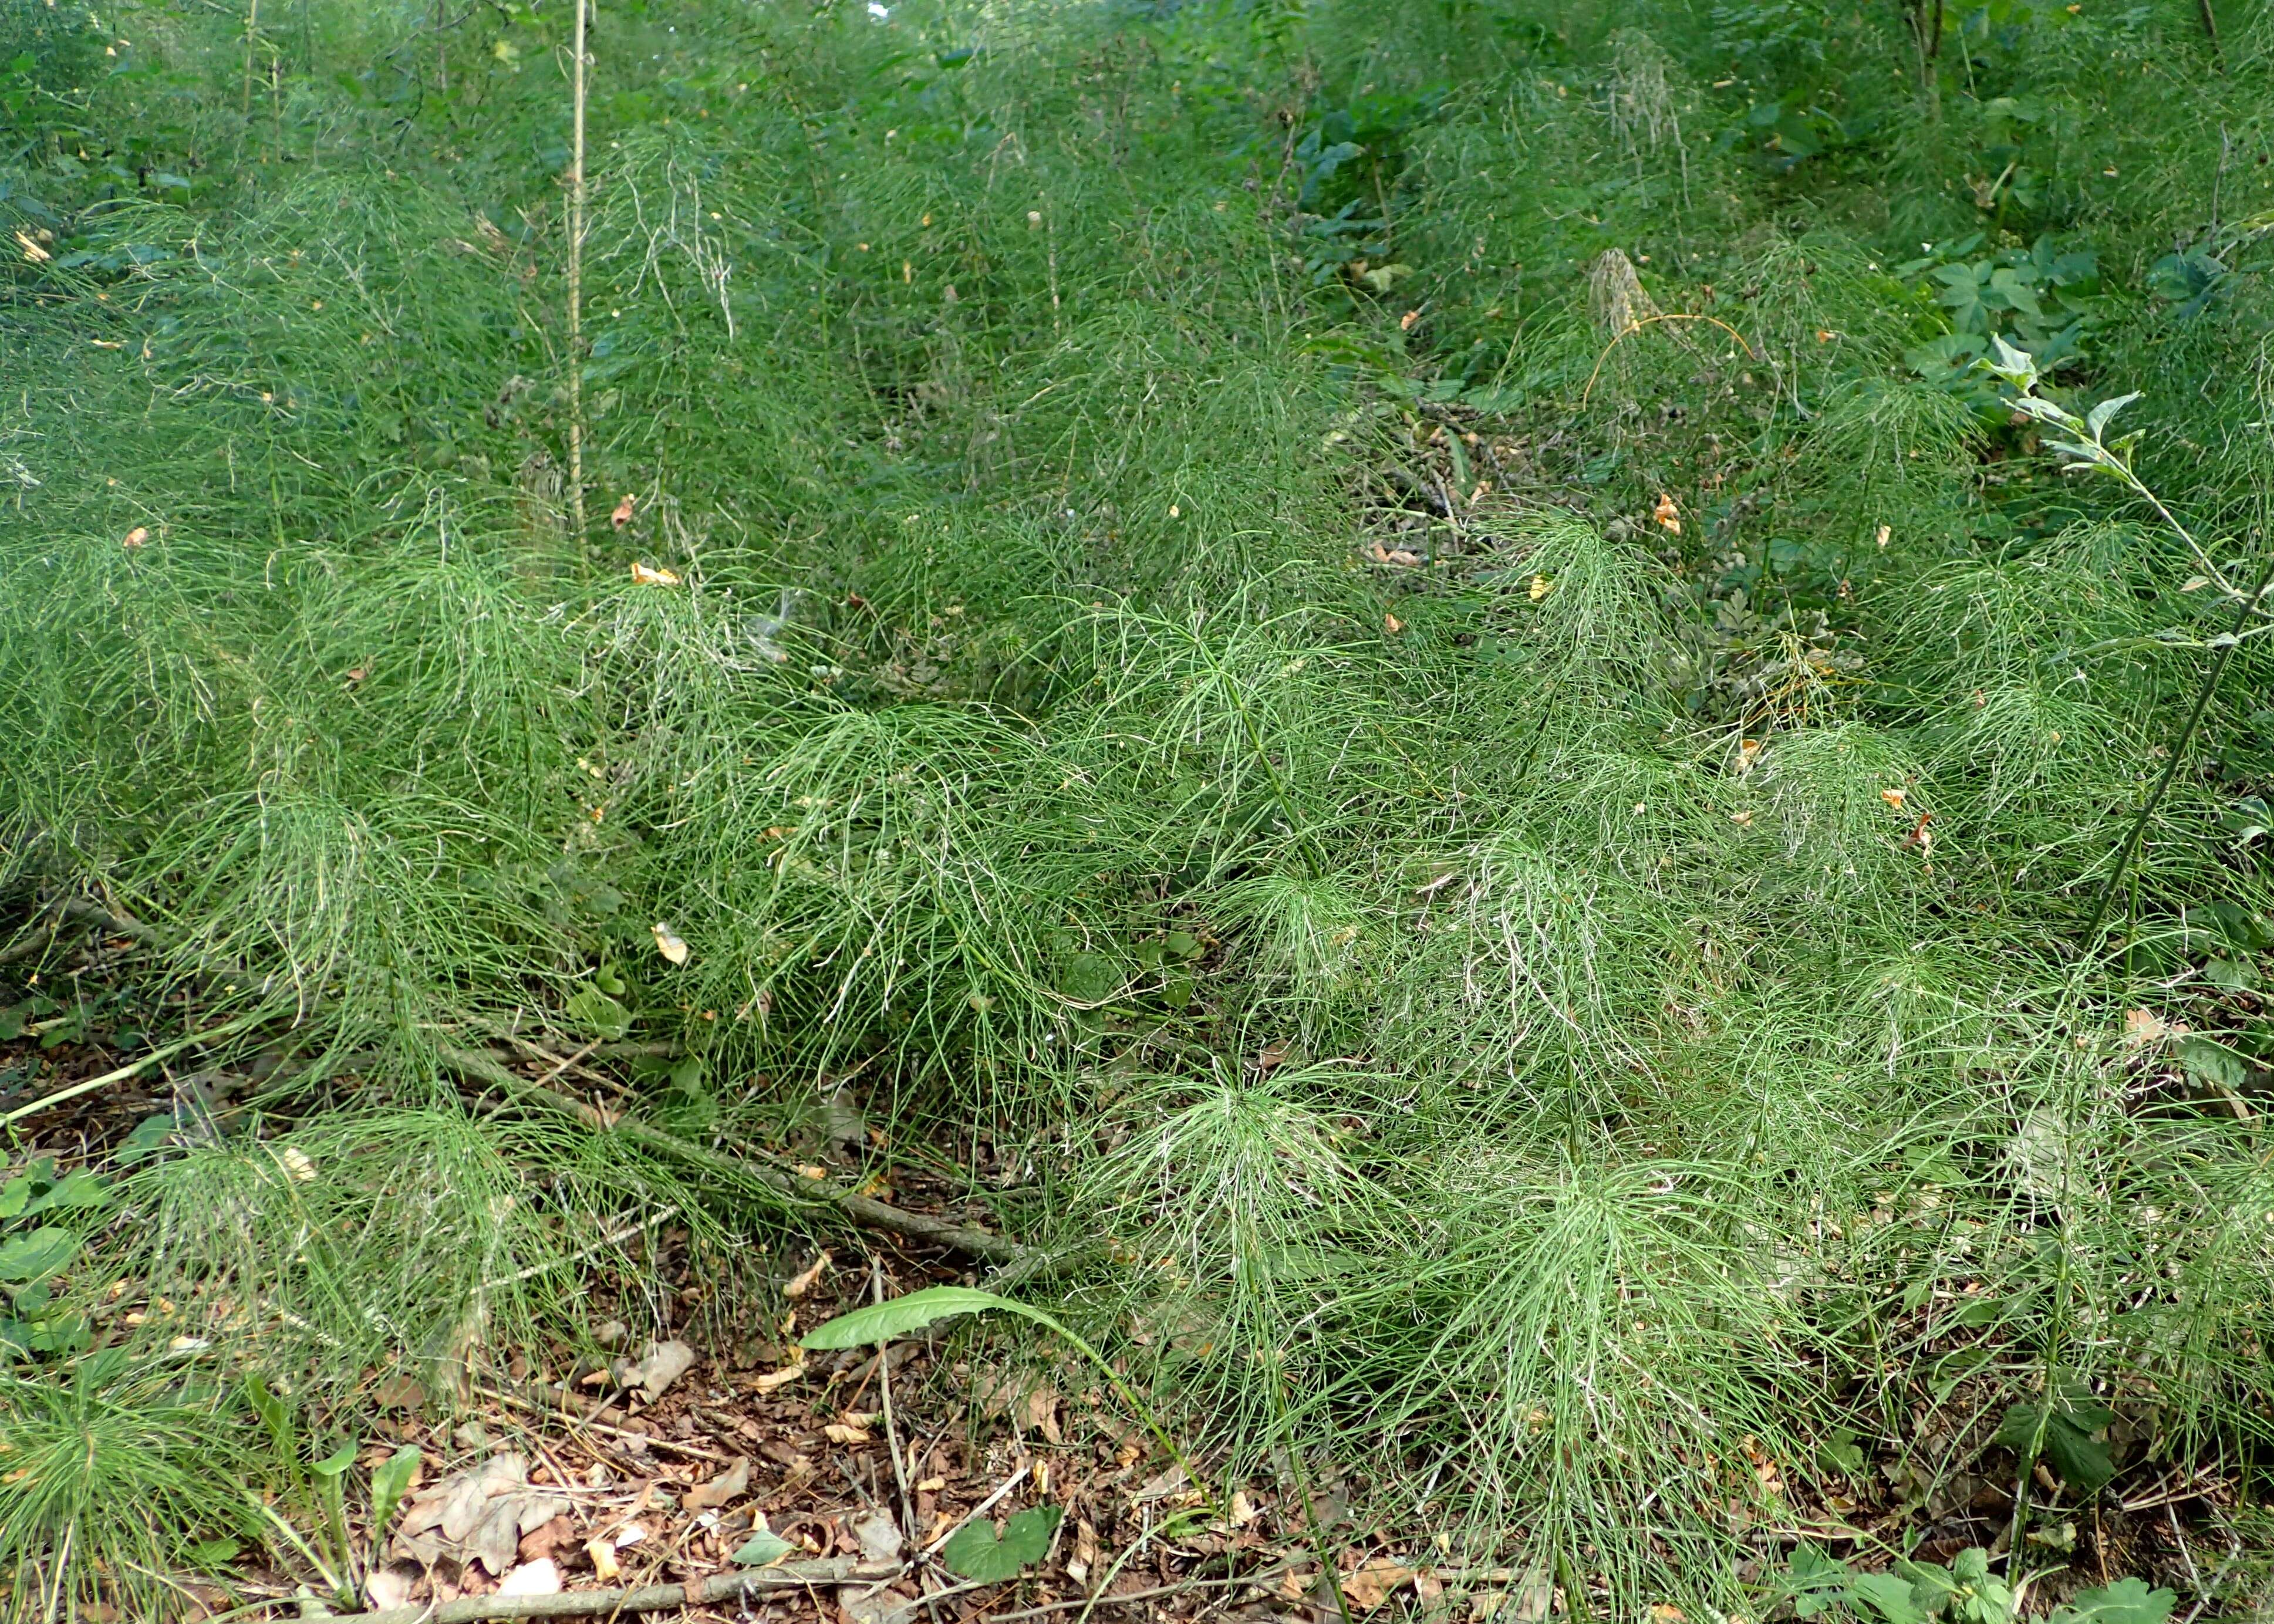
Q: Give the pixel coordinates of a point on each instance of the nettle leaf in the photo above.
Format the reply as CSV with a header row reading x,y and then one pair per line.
x,y
977,1554
2212,1062
598,1013
36,1254
2128,1601
2064,1440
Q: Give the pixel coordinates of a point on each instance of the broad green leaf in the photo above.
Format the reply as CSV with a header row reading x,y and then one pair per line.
x,y
2096,419
390,1481
2128,1601
36,1254
598,1014
337,1461
2208,1060
976,1553
1886,1596
2064,1440
904,1315
762,1549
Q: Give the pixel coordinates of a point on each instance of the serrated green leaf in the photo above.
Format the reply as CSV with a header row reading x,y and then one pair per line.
x,y
2063,1441
37,1254
977,1554
2209,1061
598,1014
2128,1601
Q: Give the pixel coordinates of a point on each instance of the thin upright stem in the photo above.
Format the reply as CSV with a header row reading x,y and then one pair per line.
x,y
2226,647
577,290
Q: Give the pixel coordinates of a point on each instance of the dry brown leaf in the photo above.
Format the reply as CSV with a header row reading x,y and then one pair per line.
x,y
723,1490
1041,1407
139,536
781,1378
2142,1027
1373,1584
538,1578
662,1363
806,1281
603,1553
851,1437
623,513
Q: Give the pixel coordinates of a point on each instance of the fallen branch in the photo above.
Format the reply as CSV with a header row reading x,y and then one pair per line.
x,y
629,1599
783,1180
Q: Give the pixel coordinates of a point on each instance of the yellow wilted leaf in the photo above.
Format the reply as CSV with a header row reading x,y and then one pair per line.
x,y
139,537
1668,516
1539,588
668,944
781,1378
804,1282
1893,798
32,252
648,575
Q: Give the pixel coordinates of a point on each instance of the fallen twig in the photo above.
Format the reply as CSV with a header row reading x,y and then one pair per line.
x,y
576,1422
629,1599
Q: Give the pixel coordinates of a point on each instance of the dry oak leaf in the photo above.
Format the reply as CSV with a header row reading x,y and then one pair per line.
x,y
1374,1581
478,1515
725,1488
660,1365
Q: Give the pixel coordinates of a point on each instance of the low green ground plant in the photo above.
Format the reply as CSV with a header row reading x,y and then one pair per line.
x,y
1400,652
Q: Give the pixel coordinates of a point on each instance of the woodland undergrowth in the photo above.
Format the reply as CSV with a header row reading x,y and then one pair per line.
x,y
1391,671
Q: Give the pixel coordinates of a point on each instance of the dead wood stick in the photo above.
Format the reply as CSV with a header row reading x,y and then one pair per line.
x,y
812,1192
631,1598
